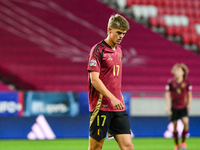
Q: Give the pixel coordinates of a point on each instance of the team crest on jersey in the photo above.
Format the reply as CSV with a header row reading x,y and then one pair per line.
x,y
182,85
109,58
93,62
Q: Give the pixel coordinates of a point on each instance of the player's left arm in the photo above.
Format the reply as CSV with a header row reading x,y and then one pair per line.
x,y
189,99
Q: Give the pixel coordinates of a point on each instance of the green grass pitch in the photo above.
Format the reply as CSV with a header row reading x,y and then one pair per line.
x,y
82,144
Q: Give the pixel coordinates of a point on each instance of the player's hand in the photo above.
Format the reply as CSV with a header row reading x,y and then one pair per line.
x,y
117,104
167,110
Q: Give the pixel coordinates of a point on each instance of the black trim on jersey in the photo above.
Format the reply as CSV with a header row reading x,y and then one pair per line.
x,y
106,44
96,49
102,54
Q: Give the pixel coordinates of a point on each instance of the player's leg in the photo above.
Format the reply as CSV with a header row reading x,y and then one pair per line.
x,y
120,129
124,141
175,133
95,144
174,118
185,120
99,124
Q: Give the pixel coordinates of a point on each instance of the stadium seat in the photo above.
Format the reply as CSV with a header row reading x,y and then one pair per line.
x,y
140,11
176,20
188,29
189,4
197,28
170,30
186,39
157,21
181,4
189,38
121,4
178,30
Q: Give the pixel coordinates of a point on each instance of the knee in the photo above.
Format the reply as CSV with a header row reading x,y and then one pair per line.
x,y
96,147
128,147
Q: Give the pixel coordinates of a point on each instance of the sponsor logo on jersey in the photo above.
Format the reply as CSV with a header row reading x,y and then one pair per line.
x,y
93,62
109,58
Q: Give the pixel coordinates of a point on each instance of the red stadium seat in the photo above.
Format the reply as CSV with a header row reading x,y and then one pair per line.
x,y
194,38
190,12
167,3
182,11
196,13
170,30
168,11
174,4
186,38
181,4
153,21
174,30
196,4
129,3
161,11
159,3
152,2
161,21
178,30
191,21
174,11
157,21
144,2
189,29
188,4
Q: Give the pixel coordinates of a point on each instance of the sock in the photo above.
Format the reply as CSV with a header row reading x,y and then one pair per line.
x,y
175,137
184,133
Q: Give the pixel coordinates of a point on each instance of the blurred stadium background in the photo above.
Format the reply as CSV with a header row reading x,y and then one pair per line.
x,y
44,47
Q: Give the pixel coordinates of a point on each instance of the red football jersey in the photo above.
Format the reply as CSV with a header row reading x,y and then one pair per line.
x,y
179,92
108,63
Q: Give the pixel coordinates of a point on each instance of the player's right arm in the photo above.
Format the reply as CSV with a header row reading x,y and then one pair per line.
x,y
99,86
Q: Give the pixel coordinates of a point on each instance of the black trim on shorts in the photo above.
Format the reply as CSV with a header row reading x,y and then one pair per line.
x,y
112,123
178,114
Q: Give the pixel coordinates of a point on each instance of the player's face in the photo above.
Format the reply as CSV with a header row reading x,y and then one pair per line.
x,y
179,72
116,35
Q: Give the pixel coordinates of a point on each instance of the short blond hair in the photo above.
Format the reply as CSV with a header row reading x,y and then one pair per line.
x,y
118,22
183,67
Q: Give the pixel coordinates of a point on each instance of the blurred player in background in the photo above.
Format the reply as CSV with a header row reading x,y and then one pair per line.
x,y
179,91
106,104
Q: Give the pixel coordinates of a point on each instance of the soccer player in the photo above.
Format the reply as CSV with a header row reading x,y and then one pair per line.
x,y
106,104
179,90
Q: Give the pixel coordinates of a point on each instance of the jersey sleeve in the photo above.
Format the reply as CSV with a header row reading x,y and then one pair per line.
x,y
189,87
168,86
94,62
